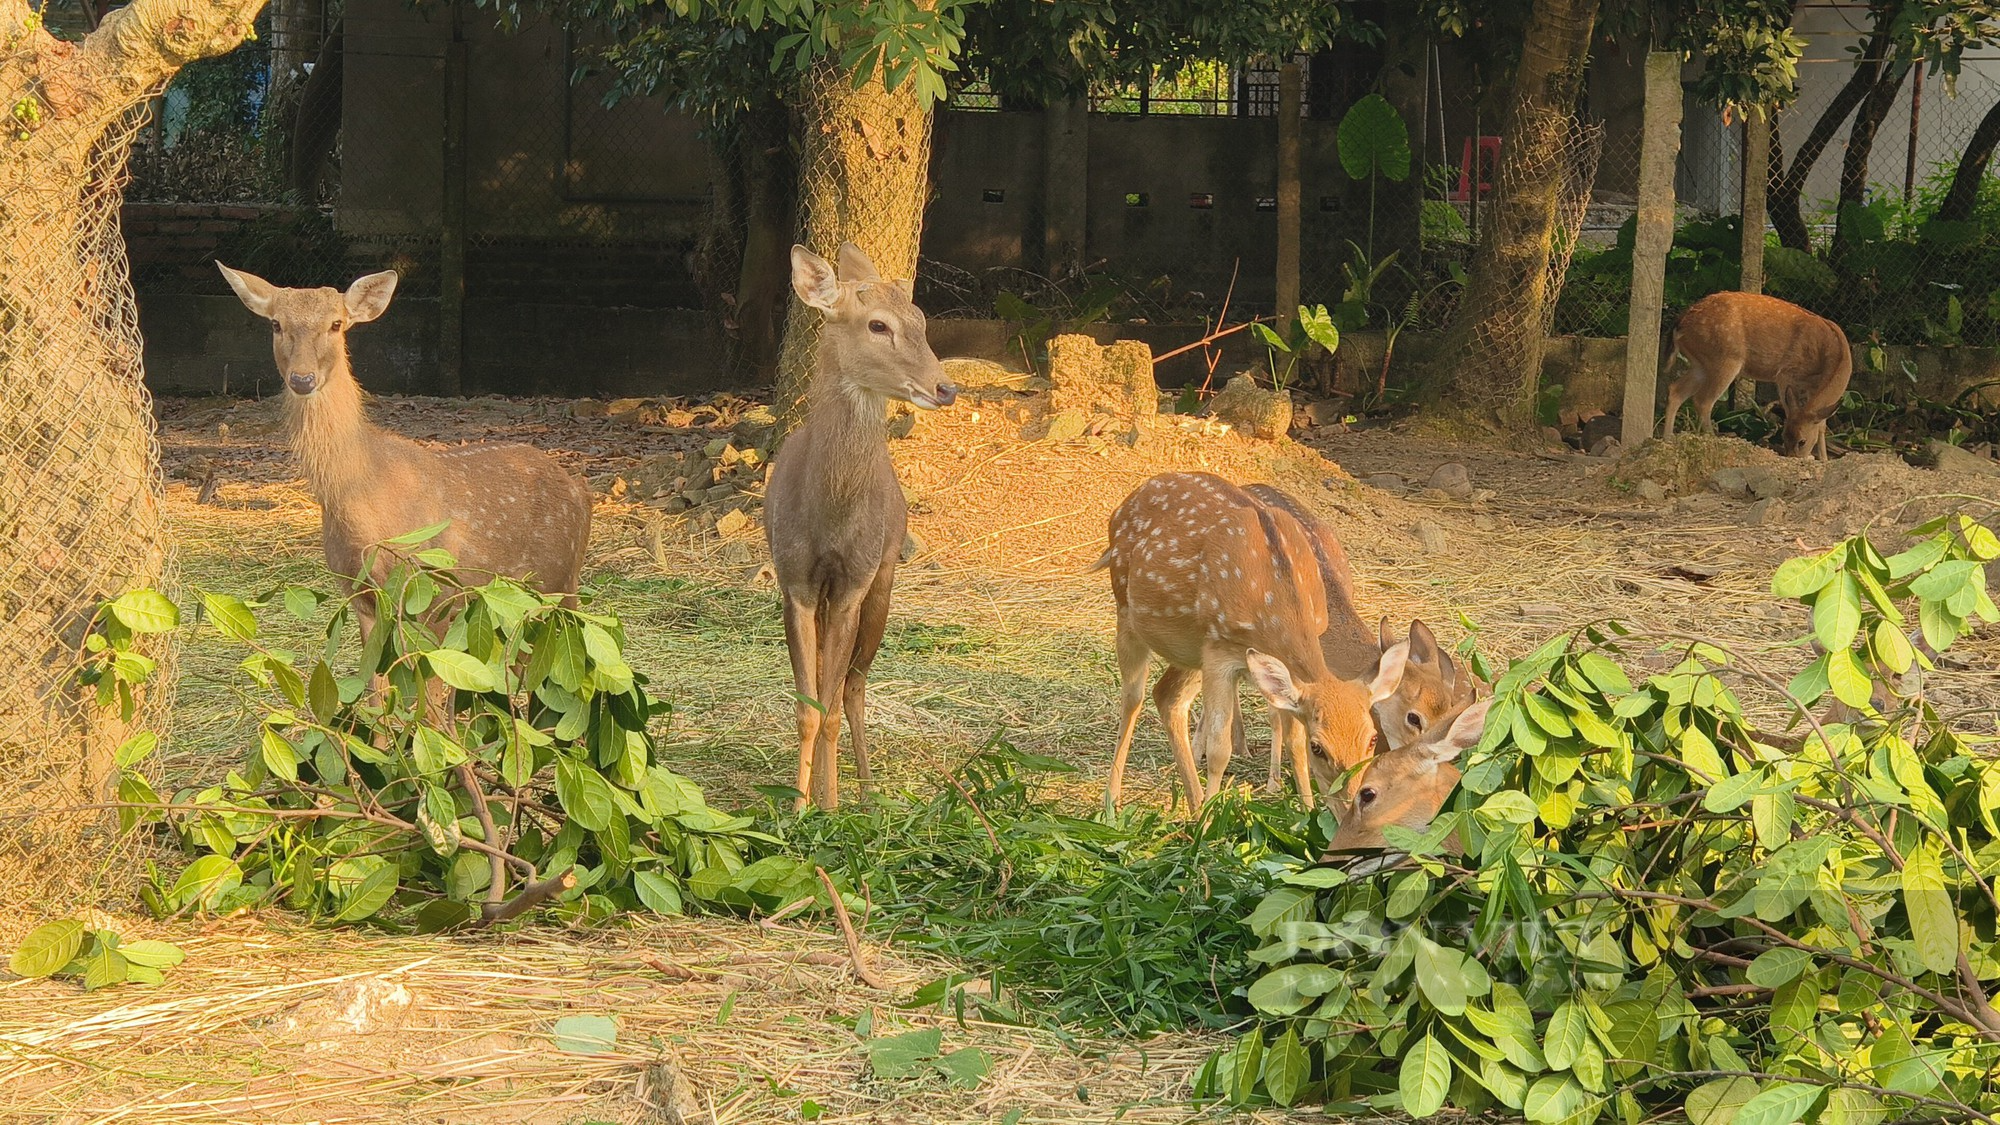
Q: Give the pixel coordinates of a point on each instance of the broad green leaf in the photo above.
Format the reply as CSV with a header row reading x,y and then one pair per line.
x,y
1837,613
230,616
153,954
1407,894
1933,915
1546,715
1892,649
1775,967
1698,751
1783,1103
1595,730
103,964
965,1068
137,749
1425,1077
585,1035
1553,1097
584,795
1374,140
1900,1066
1508,806
1848,1106
437,819
434,752
1506,1082
205,881
1731,792
1285,904
1807,575
1794,1008
905,1055
146,611
323,693
657,892
1605,674
365,885
47,948
1440,975
1566,1034
460,670
1287,1067
280,757
301,602
1716,1102
1289,990
422,534
1849,683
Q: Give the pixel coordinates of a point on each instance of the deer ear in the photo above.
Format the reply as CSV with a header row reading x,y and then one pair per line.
x,y
1273,679
1389,673
1464,734
854,265
1383,637
1423,644
907,286
256,294
369,296
813,279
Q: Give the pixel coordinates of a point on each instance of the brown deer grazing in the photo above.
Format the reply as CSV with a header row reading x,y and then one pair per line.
x,y
513,510
1431,687
1217,584
1726,336
833,511
1404,787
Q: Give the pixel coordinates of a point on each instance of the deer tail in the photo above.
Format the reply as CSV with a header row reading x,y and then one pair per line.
x,y
1103,560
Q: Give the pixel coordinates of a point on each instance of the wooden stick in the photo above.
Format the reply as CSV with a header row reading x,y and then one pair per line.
x,y
531,896
861,968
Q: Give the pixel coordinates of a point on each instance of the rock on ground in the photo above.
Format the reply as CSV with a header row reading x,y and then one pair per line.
x,y
1453,480
1088,377
1251,410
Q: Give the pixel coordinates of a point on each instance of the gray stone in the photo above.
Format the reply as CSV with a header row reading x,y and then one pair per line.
x,y
1387,482
1766,511
1650,491
1452,479
1429,536
1730,481
1607,446
1600,427
1325,411
1701,504
1952,459
1251,410
1765,484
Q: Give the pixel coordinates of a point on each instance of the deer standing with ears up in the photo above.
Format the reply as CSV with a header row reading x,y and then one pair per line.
x,y
834,512
1404,787
1219,584
1727,336
513,511
1431,688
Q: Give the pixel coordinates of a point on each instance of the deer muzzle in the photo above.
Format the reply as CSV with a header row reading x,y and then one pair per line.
x,y
302,382
944,395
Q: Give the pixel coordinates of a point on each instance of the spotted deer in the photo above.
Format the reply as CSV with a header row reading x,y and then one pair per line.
x,y
1404,787
1430,689
512,510
1727,336
1219,584
834,512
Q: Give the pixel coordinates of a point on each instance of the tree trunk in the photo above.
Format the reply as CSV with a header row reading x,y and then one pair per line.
x,y
1659,148
1289,88
1963,195
1860,144
864,162
1788,189
1496,338
80,518
770,215
315,127
1757,129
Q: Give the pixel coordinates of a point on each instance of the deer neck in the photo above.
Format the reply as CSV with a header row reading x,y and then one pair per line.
x,y
335,444
851,435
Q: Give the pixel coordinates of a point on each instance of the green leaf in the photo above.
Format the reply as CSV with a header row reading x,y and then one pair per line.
x,y
280,757
1933,915
1508,806
146,611
1892,649
965,1069
422,534
1407,894
103,965
437,819
1807,575
1425,1077
153,954
1441,975
1716,1102
1837,613
47,948
1775,967
301,602
323,693
137,749
1288,990
1850,684
1731,792
586,1035
1565,1037
1373,140
584,795
1553,1097
205,881
905,1055
230,616
1901,1067
657,892
460,670
365,885
434,752
1784,1103
1698,751
1287,1067
1848,1106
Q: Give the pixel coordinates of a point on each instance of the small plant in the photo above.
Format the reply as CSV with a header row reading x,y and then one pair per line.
x,y
491,754
93,955
1313,325
1034,326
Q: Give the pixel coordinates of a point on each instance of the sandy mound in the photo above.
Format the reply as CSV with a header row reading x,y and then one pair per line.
x,y
1685,462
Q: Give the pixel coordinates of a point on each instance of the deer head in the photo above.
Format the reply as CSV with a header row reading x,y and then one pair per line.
x,y
1404,787
1432,688
874,336
309,326
1333,711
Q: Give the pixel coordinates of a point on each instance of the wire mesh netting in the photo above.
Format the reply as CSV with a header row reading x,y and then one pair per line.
x,y
80,518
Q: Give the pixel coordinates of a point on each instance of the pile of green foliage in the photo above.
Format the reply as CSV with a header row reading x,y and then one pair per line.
x,y
491,753
1658,903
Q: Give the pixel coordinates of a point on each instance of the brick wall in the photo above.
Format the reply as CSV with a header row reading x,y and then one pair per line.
x,y
175,243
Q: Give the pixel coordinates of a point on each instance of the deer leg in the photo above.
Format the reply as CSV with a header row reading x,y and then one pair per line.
x,y
1218,725
1295,741
1677,393
836,652
873,619
1276,779
802,640
1133,660
1712,389
1173,695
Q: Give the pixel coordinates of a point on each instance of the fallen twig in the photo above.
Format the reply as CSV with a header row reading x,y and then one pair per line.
x,y
861,969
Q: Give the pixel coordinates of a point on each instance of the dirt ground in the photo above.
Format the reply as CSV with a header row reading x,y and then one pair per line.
x,y
997,626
